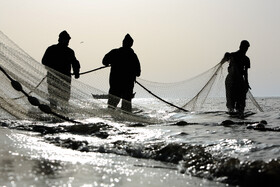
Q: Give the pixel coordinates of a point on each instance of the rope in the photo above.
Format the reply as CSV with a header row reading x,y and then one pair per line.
x,y
33,100
33,89
142,87
91,70
161,98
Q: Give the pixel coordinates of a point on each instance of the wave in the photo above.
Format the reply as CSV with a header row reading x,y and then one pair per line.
x,y
195,160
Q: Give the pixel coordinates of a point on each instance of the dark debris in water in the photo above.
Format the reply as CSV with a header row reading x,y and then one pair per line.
x,y
136,125
228,123
69,143
94,129
260,125
181,123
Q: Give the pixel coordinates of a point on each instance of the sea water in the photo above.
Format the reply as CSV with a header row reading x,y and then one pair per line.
x,y
195,149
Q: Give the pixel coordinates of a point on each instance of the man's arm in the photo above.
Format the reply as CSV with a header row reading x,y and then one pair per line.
x,y
245,74
138,67
225,58
246,77
76,66
109,57
45,59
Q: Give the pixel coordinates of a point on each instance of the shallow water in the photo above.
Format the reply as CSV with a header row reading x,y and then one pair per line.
x,y
198,151
27,160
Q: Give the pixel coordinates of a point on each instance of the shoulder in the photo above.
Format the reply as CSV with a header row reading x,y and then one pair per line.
x,y
131,52
113,51
70,50
126,49
234,53
52,47
227,55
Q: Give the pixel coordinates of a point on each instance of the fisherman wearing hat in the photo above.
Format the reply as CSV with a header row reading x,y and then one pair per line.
x,y
237,83
61,58
125,67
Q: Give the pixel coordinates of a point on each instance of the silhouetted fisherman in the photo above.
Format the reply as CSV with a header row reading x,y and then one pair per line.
x,y
236,83
125,67
61,58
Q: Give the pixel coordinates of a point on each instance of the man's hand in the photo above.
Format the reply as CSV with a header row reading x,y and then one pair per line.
x,y
77,75
249,87
226,57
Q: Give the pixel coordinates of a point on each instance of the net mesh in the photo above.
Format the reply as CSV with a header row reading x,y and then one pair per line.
x,y
202,93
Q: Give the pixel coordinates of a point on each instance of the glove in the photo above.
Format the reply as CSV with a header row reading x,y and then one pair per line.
x,y
248,86
77,75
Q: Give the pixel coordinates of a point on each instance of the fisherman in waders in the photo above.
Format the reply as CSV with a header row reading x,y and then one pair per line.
x,y
125,67
61,58
236,83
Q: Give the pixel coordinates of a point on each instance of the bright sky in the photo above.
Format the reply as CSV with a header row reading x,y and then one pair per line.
x,y
174,39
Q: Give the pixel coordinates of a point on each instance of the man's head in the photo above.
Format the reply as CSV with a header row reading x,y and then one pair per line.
x,y
127,41
244,45
64,38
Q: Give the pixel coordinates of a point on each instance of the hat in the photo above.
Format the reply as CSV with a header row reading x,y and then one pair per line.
x,y
128,41
245,43
128,38
64,35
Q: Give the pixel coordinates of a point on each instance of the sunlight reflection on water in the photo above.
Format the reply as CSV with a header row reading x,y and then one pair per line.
x,y
35,162
54,155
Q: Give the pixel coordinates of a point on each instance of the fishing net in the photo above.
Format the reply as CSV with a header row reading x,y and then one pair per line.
x,y
26,85
205,92
32,81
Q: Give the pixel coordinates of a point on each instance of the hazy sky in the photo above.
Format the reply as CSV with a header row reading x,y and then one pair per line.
x,y
174,39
